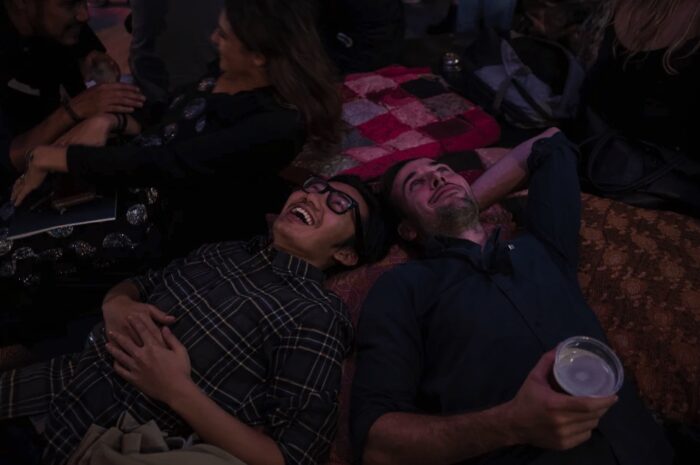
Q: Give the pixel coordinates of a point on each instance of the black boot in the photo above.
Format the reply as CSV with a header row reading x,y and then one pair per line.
x,y
448,24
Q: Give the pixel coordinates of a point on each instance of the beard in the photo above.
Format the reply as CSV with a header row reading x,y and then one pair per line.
x,y
451,220
45,26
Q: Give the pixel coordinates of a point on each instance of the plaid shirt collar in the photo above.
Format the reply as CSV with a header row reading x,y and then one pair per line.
x,y
284,263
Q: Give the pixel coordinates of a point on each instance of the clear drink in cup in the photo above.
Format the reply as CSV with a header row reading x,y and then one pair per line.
x,y
584,366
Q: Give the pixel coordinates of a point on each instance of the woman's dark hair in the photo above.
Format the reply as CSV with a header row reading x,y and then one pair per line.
x,y
284,32
375,235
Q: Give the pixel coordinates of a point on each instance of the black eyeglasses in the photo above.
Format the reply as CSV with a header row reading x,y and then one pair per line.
x,y
340,203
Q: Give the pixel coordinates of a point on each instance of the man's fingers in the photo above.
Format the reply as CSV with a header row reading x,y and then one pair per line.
x,y
19,195
118,108
123,101
146,329
586,404
127,100
121,95
160,316
576,440
121,86
123,372
120,356
15,191
124,343
131,95
171,341
582,427
544,366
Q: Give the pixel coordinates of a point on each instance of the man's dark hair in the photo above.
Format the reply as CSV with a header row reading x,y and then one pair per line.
x,y
375,238
393,212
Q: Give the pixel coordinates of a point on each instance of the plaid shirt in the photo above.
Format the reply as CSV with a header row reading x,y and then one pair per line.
x,y
265,339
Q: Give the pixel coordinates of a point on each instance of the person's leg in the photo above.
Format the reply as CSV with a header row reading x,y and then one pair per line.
x,y
498,14
469,15
472,15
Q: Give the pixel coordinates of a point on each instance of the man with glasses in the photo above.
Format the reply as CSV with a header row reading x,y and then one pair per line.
x,y
238,342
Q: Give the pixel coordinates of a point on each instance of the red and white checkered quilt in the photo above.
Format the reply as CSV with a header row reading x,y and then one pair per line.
x,y
398,113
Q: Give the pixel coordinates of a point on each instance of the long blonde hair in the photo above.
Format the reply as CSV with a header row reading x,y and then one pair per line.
x,y
644,20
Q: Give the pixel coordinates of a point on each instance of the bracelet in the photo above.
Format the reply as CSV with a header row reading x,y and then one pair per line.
x,y
121,123
69,109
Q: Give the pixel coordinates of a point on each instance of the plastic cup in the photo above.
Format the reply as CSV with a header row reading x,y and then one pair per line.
x,y
584,366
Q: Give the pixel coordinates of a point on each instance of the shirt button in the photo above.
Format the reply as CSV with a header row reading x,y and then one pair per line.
x,y
511,247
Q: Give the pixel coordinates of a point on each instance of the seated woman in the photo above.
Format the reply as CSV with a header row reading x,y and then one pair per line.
x,y
214,155
644,81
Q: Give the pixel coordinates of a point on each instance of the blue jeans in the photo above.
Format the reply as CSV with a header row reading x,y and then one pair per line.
x,y
472,15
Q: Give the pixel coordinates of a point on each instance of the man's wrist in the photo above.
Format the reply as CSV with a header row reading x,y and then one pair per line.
x,y
511,429
180,394
116,300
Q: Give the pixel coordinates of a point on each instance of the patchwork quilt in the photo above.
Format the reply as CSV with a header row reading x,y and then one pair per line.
x,y
398,113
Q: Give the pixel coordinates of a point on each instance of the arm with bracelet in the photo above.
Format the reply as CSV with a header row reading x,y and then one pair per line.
x,y
96,130
38,163
79,111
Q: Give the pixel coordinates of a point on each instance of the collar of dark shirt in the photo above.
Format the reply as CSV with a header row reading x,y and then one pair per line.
x,y
492,259
284,263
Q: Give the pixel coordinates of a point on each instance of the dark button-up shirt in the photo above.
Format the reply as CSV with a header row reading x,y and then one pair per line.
x,y
266,342
461,330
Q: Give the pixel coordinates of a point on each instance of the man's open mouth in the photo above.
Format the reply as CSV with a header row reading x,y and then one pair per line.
x,y
303,214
